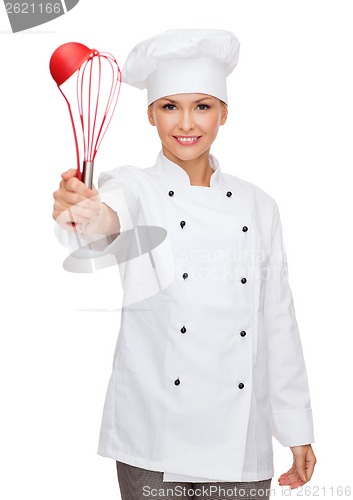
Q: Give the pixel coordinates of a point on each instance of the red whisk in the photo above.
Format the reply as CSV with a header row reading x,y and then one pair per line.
x,y
97,91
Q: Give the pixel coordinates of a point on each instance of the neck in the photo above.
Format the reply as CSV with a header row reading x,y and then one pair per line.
x,y
198,169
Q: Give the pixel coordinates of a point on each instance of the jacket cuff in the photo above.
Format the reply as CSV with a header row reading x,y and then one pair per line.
x,y
115,199
293,428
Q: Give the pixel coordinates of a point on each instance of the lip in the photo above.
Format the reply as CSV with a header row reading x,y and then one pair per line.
x,y
187,140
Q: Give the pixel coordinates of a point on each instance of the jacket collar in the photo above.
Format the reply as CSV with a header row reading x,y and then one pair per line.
x,y
173,173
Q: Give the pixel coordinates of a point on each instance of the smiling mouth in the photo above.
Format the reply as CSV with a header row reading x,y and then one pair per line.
x,y
186,140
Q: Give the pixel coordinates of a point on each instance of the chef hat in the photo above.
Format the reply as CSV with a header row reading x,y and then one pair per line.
x,y
182,61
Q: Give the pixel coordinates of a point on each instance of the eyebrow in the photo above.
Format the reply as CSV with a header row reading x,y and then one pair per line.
x,y
198,100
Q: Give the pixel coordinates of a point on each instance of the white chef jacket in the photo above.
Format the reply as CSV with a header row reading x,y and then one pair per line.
x,y
208,363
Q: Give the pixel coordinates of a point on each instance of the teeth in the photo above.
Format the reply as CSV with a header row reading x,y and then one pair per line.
x,y
187,139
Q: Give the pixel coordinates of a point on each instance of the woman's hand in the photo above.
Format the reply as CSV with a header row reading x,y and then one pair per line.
x,y
304,461
77,205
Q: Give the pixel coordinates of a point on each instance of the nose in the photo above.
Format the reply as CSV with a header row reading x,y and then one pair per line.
x,y
186,122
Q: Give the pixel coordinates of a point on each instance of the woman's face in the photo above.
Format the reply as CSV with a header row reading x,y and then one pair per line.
x,y
187,124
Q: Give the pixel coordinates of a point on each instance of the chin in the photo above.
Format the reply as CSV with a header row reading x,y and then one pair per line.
x,y
187,155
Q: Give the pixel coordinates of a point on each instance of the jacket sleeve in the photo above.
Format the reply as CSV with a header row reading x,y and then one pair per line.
x,y
115,188
291,413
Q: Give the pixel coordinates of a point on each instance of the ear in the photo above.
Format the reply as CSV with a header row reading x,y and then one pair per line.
x,y
224,115
150,115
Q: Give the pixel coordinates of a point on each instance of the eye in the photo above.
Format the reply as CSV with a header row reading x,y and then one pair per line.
x,y
170,107
202,107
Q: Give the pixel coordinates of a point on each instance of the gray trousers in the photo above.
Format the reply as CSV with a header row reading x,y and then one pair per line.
x,y
137,484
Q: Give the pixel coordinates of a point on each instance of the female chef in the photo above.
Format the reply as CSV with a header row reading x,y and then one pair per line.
x,y
208,364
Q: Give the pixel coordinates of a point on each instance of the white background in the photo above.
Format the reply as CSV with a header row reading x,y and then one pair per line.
x,y
289,131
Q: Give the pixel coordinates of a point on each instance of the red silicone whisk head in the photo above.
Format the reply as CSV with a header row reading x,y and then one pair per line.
x,y
67,59
91,107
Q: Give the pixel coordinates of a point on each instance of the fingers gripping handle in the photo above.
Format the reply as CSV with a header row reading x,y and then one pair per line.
x,y
86,178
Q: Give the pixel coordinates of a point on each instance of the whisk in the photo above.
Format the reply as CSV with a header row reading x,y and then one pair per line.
x,y
97,90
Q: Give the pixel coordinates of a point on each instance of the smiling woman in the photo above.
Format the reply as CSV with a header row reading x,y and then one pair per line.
x,y
187,125
208,364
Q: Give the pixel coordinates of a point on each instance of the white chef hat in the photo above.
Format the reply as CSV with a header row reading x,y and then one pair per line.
x,y
182,61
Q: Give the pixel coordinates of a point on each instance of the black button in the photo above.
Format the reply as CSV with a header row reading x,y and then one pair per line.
x,y
177,381
182,223
243,333
241,385
185,275
229,194
183,330
243,280
171,193
245,229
